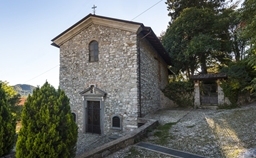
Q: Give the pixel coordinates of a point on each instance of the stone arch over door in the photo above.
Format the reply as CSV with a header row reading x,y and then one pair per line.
x,y
93,113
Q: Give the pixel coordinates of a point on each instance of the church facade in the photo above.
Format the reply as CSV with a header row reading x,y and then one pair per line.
x,y
113,72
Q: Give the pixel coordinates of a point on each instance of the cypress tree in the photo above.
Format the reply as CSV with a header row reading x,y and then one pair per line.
x,y
48,128
7,125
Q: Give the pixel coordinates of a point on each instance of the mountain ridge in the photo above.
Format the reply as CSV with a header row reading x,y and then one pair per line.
x,y
24,89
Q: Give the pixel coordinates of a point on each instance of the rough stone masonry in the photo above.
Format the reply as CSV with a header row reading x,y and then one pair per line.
x,y
127,78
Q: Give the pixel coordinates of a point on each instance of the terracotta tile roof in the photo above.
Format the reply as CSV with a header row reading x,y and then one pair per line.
x,y
22,101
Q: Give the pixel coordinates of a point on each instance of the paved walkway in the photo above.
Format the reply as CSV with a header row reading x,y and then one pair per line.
x,y
167,151
210,133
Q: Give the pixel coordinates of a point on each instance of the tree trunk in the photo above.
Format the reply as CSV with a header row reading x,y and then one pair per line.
x,y
236,49
203,64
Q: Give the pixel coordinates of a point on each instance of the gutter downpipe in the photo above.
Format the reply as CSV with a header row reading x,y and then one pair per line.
x,y
139,69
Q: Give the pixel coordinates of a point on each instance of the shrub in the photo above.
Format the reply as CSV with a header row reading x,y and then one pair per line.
x,y
7,125
48,128
239,77
180,92
13,98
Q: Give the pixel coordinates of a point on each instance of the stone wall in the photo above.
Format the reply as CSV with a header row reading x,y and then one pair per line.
x,y
165,102
197,102
221,96
154,77
120,143
115,73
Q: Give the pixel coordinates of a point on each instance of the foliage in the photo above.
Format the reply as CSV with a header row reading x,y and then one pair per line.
x,y
175,7
238,43
48,128
228,106
249,32
203,35
249,22
239,76
195,40
180,92
13,99
7,124
230,92
252,87
8,89
229,26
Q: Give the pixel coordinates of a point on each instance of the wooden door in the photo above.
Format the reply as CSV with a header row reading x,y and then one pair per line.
x,y
93,117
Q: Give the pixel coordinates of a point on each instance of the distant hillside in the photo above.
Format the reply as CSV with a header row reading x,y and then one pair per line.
x,y
24,89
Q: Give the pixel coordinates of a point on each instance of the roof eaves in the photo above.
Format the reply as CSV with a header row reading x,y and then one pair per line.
x,y
71,27
209,76
55,45
154,40
91,15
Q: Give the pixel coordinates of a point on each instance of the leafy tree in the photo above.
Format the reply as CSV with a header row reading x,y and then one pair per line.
x,y
239,77
235,31
8,89
48,128
251,61
249,32
249,22
7,125
194,41
175,7
13,99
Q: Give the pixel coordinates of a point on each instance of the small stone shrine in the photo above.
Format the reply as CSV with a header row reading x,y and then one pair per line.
x,y
207,89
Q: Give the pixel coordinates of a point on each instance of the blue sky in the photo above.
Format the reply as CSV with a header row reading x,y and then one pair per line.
x,y
27,28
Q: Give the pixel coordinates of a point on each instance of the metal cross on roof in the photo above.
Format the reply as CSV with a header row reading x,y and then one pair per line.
x,y
94,7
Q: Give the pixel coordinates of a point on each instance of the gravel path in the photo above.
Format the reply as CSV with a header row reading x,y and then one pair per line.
x,y
210,133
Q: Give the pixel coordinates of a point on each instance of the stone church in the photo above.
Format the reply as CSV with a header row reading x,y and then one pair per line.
x,y
113,72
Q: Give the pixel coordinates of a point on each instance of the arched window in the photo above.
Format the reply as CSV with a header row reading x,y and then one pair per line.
x,y
93,51
116,122
74,116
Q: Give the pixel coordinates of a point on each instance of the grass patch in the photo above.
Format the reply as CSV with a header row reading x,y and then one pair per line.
x,y
133,152
162,132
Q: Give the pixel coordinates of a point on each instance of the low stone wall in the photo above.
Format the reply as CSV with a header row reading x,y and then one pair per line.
x,y
120,143
165,102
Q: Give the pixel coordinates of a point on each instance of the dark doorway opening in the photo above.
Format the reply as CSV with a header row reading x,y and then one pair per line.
x,y
209,92
93,117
